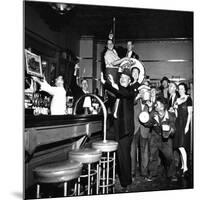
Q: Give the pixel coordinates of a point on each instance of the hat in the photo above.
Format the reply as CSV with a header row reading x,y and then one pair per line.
x,y
127,72
134,63
162,99
144,87
164,79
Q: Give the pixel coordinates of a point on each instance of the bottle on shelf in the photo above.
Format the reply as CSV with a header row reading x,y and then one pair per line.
x,y
40,104
69,102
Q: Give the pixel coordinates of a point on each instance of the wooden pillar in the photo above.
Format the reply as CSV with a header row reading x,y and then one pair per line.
x,y
88,61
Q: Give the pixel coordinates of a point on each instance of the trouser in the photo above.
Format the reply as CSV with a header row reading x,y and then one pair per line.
x,y
114,72
165,147
141,144
123,157
124,161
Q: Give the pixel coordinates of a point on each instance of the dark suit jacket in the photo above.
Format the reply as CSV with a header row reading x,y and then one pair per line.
x,y
144,131
125,113
134,55
170,103
77,92
155,123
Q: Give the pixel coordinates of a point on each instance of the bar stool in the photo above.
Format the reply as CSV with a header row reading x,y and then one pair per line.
x,y
107,147
107,162
57,173
90,159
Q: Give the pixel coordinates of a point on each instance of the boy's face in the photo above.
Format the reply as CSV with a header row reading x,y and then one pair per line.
x,y
159,106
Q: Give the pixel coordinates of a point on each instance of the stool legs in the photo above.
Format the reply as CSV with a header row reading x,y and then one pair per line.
x,y
114,155
65,189
108,168
79,186
75,189
91,174
104,169
97,183
89,169
106,175
38,191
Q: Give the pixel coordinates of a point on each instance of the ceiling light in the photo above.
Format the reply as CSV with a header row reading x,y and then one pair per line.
x,y
62,8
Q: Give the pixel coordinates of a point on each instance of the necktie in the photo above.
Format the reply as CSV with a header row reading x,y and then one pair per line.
x,y
170,101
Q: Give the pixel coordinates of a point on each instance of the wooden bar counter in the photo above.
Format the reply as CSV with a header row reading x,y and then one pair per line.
x,y
49,138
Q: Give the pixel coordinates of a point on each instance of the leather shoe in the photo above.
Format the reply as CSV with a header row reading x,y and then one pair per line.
x,y
124,189
148,178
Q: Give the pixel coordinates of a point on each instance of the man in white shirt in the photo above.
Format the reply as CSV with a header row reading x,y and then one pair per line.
x,y
58,102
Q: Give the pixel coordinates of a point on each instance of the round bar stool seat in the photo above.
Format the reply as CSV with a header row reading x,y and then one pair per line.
x,y
108,160
87,156
57,172
105,146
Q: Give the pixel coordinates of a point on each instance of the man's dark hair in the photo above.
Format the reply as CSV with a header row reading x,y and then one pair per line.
x,y
162,100
135,68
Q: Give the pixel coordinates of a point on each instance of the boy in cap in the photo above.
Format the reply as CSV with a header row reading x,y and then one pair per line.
x,y
162,124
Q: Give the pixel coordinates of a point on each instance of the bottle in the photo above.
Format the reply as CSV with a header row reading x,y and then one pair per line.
x,y
69,102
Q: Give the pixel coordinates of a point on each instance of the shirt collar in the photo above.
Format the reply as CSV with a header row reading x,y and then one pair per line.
x,y
166,116
173,95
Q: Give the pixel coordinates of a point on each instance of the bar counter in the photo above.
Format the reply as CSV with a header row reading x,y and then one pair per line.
x,y
49,138
43,130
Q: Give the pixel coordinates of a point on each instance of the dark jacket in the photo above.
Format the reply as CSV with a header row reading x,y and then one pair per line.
x,y
134,55
155,123
77,92
125,112
170,103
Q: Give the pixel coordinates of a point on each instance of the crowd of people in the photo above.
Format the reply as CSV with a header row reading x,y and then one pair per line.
x,y
150,123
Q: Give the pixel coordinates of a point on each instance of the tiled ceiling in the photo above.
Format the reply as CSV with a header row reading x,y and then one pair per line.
x,y
130,22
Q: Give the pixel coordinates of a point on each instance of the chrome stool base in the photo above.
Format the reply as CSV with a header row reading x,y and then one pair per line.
x,y
88,157
107,163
